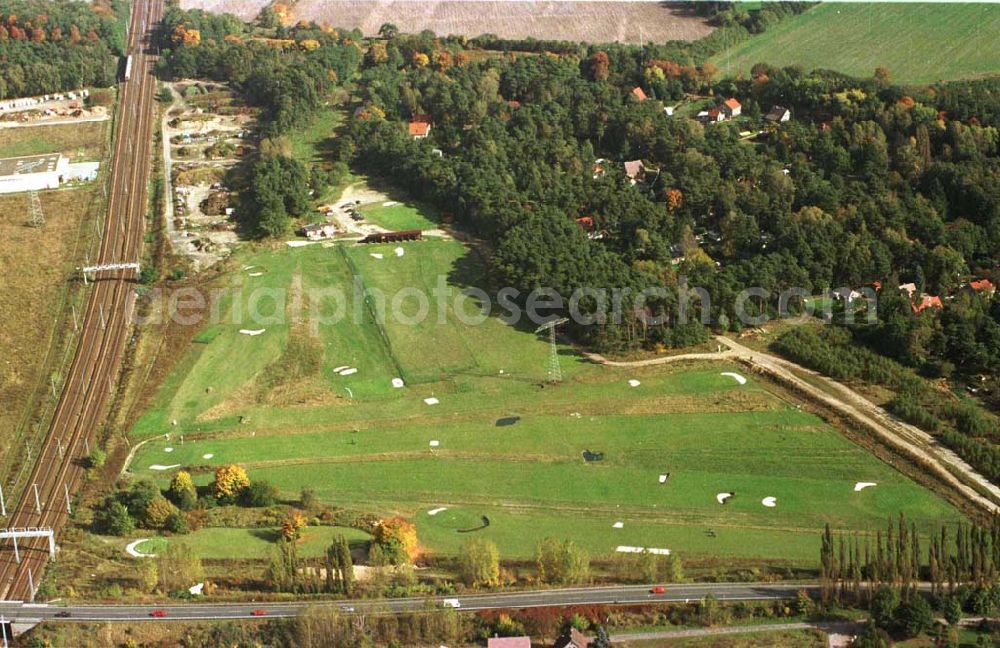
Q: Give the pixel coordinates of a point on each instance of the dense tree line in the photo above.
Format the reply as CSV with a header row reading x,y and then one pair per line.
x,y
51,46
882,571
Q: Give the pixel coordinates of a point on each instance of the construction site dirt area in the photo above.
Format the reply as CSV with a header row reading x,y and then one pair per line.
x,y
205,133
596,22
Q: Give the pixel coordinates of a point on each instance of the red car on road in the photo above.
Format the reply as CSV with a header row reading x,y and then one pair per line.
x,y
659,589
158,613
259,612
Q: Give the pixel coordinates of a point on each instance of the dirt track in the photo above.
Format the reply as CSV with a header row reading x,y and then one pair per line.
x,y
596,22
910,440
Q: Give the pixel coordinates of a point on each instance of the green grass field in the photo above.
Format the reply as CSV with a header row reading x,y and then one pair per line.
x,y
401,216
918,42
274,403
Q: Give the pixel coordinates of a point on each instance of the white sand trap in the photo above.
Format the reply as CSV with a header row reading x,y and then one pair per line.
x,y
634,383
390,203
376,255
207,455
431,401
860,486
341,368
652,550
663,479
251,267
618,525
397,383
399,251
256,274
738,378
722,497
252,332
769,502
161,468
437,510
168,449
349,372
435,444
298,244
131,550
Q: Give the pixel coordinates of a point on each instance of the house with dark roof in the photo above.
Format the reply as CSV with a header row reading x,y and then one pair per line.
x,y
573,638
778,114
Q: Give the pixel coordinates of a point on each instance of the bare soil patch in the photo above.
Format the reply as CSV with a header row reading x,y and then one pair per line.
x,y
597,22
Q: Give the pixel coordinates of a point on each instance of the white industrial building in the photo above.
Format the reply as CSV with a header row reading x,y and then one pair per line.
x,y
32,173
39,172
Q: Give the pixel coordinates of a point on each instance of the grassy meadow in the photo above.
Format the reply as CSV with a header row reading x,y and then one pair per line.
x,y
275,403
918,42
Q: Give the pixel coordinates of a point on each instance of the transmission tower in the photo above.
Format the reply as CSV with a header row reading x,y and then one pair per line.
x,y
37,217
555,371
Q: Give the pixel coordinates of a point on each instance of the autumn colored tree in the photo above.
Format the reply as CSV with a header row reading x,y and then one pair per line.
x,y
599,65
182,491
420,59
292,525
442,60
398,539
674,199
230,481
158,512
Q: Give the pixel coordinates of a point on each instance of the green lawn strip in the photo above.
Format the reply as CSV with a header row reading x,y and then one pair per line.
x,y
917,42
400,216
220,543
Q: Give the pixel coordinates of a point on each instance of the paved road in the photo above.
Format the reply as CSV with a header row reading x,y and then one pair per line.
x,y
560,597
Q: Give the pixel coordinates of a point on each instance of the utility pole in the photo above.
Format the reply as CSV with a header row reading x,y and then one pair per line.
x,y
38,502
3,505
555,371
69,509
31,584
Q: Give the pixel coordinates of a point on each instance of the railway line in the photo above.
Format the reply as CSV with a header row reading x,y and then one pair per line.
x,y
86,394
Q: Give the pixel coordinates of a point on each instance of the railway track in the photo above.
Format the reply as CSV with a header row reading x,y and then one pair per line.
x,y
82,406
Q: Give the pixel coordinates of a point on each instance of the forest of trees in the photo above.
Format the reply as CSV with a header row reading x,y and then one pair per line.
x,y
869,182
57,46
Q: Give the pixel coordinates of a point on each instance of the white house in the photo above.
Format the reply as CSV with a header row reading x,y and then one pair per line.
x,y
32,173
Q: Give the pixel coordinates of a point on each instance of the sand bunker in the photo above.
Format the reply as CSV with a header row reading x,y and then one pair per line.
x,y
256,274
207,455
663,478
769,502
349,372
431,401
397,383
722,497
738,378
390,203
168,449
652,550
399,251
131,550
437,510
298,244
634,383
860,486
618,525
376,255
250,267
341,368
252,332
435,444
161,468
